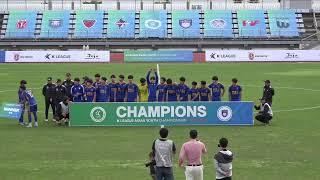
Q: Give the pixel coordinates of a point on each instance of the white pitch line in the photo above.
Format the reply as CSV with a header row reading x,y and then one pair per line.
x,y
298,109
295,88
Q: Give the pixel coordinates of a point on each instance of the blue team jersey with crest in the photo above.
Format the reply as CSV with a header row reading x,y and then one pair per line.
x,y
172,92
30,98
193,92
161,92
216,90
89,93
132,92
113,91
121,92
103,93
183,92
235,92
152,87
204,94
77,91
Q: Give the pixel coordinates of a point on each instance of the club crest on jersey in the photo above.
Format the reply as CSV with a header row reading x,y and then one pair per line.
x,y
21,24
185,23
55,23
89,23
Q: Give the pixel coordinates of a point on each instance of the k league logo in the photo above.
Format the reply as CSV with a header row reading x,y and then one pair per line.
x,y
98,114
224,113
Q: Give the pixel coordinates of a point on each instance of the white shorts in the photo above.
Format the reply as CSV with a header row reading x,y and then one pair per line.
x,y
194,172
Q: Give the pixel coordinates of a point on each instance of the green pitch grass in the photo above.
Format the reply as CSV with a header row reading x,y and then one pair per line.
x,y
287,150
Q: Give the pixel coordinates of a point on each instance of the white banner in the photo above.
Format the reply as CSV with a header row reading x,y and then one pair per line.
x,y
57,56
262,55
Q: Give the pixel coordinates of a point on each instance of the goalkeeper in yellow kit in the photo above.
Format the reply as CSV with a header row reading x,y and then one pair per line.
x,y
143,90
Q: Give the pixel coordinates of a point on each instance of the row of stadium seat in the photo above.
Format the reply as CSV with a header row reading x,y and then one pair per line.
x,y
154,24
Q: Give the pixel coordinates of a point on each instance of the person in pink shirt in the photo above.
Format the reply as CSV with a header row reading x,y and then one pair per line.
x,y
190,157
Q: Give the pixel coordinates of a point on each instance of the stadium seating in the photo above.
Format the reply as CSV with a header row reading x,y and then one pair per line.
x,y
151,23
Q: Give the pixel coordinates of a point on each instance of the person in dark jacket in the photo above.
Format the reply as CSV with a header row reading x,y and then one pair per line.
x,y
49,92
61,92
268,92
265,112
63,111
223,161
68,83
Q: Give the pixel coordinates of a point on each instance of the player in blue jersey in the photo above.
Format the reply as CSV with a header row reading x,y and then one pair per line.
x,y
172,91
183,90
21,100
204,92
235,91
194,92
152,85
131,90
85,79
161,94
97,78
113,89
89,92
32,108
77,91
103,91
121,92
217,89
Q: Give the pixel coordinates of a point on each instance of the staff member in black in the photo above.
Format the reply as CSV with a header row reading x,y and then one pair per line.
x,y
49,92
68,83
61,92
268,92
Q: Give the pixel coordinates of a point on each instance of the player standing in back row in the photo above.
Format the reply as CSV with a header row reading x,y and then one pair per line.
x,y
152,85
217,89
235,91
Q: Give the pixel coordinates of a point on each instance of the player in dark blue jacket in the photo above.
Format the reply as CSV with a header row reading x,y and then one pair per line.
x,y
89,92
152,85
113,89
121,92
32,108
21,99
217,89
77,91
172,91
161,93
183,90
103,91
131,90
194,92
235,91
204,92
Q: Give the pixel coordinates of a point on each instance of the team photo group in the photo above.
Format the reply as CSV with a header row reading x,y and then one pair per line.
x,y
59,94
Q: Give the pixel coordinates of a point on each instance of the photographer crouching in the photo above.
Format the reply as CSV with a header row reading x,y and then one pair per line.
x,y
63,111
265,113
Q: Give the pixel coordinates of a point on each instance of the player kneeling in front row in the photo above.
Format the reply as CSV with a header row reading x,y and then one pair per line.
x,y
63,111
265,112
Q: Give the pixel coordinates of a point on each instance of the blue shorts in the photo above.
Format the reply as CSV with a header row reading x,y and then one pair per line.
x,y
33,108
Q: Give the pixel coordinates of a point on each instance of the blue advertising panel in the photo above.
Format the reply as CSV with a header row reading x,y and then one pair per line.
x,y
283,23
121,24
11,111
55,24
156,114
252,23
185,24
153,24
21,24
218,24
89,24
2,56
158,56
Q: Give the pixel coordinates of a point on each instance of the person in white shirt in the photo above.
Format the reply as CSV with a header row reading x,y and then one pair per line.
x,y
223,161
